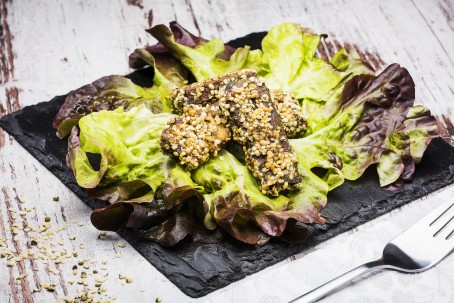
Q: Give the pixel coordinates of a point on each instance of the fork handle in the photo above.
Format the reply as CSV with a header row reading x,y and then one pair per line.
x,y
339,282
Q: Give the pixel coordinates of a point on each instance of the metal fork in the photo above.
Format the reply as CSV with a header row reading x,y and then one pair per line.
x,y
417,249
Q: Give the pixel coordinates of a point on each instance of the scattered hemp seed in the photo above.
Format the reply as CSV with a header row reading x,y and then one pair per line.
x,y
48,287
39,246
125,278
102,290
56,198
102,234
121,244
158,300
53,270
11,263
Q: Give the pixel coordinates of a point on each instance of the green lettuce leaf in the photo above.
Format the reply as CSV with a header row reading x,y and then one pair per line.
x,y
368,126
204,60
168,72
237,205
132,165
319,113
422,128
111,92
162,54
406,147
288,63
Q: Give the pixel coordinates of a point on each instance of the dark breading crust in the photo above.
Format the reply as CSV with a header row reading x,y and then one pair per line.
x,y
245,102
195,136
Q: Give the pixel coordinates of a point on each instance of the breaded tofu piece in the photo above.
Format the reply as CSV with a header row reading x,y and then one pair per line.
x,y
195,136
256,125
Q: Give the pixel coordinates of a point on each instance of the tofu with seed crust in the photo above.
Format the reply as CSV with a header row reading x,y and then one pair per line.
x,y
195,136
242,108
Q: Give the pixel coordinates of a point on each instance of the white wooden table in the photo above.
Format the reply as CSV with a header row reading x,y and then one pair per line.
x,y
48,47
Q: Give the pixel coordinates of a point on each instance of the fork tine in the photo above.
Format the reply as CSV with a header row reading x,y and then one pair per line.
x,y
445,229
442,213
433,219
451,235
443,224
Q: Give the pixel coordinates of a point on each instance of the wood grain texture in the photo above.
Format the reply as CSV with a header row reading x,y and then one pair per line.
x,y
50,47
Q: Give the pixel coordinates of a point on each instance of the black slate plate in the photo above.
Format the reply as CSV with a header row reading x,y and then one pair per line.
x,y
198,269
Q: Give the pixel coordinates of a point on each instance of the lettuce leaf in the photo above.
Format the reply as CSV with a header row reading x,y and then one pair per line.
x,y
131,161
111,92
371,111
155,221
376,123
422,128
288,63
182,36
204,60
320,113
168,72
238,206
406,147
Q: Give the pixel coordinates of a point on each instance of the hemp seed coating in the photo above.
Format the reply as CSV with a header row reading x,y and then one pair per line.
x,y
292,118
195,136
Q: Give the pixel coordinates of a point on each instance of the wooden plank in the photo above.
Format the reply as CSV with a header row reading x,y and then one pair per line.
x,y
50,47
